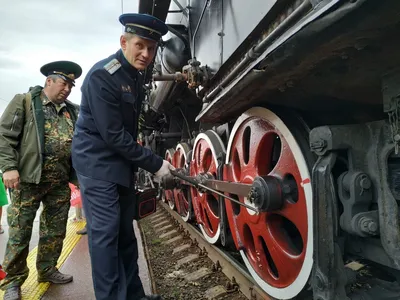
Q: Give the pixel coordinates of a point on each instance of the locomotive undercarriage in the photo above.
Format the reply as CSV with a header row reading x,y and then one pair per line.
x,y
333,200
304,149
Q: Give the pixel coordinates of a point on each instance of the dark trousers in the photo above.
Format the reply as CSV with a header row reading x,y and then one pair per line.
x,y
110,211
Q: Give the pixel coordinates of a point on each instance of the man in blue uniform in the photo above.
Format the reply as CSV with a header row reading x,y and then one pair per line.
x,y
105,155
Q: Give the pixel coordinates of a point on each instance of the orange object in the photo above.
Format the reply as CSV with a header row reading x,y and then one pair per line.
x,y
2,273
76,199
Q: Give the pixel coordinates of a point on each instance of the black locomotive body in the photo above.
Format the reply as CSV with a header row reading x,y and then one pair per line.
x,y
292,108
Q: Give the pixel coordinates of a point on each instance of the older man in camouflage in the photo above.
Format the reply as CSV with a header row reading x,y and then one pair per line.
x,y
36,132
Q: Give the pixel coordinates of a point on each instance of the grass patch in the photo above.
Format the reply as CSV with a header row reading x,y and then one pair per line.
x,y
156,242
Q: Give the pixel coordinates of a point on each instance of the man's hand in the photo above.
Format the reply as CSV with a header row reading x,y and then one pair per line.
x,y
11,179
165,170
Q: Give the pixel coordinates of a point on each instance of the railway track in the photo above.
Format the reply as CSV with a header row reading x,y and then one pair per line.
x,y
167,227
206,272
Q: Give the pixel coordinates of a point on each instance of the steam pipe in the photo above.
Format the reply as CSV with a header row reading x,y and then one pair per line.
x,y
170,135
165,135
178,76
180,7
222,129
179,35
198,25
256,51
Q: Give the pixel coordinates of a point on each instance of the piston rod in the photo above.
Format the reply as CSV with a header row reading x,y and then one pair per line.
x,y
197,184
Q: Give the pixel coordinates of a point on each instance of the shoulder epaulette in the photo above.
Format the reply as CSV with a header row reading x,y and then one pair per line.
x,y
112,66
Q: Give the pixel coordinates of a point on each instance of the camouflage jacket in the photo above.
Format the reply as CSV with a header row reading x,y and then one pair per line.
x,y
22,136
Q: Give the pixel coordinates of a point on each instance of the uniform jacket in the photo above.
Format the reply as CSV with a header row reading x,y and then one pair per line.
x,y
22,136
104,145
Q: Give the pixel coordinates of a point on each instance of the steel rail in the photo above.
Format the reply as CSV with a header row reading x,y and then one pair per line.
x,y
230,267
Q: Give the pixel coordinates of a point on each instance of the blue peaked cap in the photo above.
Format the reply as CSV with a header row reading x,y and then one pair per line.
x,y
143,25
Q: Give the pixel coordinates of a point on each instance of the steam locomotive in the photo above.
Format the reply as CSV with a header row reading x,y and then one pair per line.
x,y
285,116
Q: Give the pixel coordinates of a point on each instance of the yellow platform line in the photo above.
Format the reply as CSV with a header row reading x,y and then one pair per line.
x,y
33,290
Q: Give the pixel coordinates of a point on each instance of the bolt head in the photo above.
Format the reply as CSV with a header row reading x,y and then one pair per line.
x,y
373,227
286,189
365,182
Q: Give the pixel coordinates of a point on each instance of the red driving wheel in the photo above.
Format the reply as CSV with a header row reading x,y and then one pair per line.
x,y
275,245
168,195
182,194
206,148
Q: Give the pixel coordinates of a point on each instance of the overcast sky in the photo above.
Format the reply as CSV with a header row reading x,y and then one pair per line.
x,y
33,33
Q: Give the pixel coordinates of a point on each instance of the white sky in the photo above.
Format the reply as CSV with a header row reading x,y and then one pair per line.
x,y
33,33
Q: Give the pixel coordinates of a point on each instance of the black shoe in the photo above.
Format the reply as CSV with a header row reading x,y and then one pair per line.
x,y
13,293
56,277
152,297
82,231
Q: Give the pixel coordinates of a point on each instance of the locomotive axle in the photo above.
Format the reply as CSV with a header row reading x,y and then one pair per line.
x,y
265,193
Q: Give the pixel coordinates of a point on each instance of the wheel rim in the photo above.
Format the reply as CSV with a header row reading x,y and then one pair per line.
x,y
204,160
182,195
168,195
276,246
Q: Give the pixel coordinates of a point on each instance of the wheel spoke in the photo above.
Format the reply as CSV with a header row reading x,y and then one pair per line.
x,y
286,163
212,218
297,214
267,268
288,266
260,148
237,159
295,207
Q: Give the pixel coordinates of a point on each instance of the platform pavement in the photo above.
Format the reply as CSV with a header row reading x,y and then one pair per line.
x,y
77,264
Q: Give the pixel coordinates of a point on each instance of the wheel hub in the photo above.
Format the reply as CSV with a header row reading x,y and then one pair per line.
x,y
266,193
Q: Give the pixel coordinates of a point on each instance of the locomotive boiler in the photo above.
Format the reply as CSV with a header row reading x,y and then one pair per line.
x,y
283,115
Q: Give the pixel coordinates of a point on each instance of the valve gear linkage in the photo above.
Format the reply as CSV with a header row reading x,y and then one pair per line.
x,y
265,193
